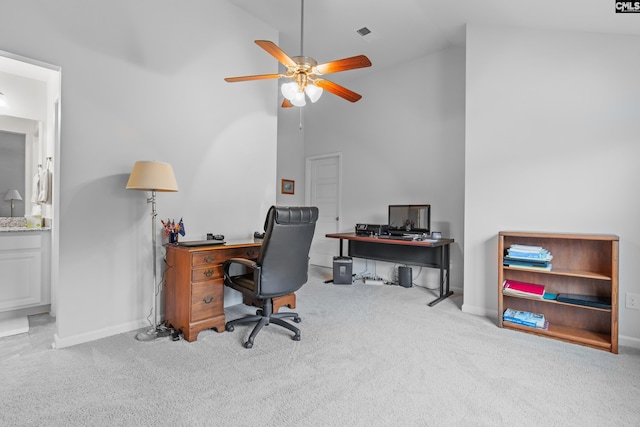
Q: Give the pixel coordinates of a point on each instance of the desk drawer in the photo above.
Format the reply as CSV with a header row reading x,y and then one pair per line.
x,y
207,273
249,253
200,259
207,300
219,256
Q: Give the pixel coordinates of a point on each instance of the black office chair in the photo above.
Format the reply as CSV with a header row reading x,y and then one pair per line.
x,y
281,267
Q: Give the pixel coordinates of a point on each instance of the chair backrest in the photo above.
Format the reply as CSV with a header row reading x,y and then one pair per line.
x,y
284,256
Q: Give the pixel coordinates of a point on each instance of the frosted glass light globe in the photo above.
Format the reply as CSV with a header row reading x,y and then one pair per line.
x,y
298,100
313,92
289,90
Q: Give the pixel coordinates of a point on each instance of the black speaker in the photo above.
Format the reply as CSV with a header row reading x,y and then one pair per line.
x,y
404,277
342,270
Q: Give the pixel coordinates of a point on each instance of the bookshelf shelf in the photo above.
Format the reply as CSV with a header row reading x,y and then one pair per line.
x,y
547,301
584,264
579,336
571,273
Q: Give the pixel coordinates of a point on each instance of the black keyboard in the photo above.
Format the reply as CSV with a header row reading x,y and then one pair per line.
x,y
396,237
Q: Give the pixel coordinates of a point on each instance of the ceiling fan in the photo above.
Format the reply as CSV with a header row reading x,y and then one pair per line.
x,y
303,73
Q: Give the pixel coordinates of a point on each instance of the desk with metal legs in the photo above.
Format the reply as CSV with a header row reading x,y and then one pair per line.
x,y
429,253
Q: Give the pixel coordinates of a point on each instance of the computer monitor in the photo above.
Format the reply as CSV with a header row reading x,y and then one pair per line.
x,y
410,219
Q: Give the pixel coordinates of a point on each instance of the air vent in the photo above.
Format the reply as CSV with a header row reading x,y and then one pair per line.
x,y
363,31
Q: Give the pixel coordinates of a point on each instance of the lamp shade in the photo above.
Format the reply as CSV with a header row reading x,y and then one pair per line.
x,y
13,195
3,100
152,176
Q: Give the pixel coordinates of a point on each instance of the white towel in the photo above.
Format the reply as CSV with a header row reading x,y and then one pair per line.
x,y
44,195
35,188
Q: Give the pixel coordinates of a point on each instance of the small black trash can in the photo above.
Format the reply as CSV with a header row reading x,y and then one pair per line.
x,y
342,270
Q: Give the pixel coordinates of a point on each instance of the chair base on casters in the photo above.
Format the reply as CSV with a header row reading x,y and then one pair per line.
x,y
264,317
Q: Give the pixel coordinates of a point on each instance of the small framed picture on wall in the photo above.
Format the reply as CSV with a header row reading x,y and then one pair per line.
x,y
288,186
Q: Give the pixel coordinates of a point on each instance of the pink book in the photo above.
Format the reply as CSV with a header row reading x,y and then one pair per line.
x,y
522,288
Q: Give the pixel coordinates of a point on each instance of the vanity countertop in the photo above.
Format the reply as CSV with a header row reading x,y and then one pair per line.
x,y
18,224
27,229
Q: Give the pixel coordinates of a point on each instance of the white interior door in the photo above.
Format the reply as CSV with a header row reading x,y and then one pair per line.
x,y
323,189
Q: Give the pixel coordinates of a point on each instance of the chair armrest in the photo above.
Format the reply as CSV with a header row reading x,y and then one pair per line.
x,y
241,261
244,261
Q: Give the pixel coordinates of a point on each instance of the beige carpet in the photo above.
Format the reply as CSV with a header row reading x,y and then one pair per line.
x,y
369,356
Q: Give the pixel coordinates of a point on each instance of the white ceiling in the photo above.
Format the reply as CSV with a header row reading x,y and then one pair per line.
x,y
405,29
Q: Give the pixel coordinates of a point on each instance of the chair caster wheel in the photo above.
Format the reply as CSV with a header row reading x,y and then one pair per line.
x,y
229,328
296,338
248,344
259,312
297,319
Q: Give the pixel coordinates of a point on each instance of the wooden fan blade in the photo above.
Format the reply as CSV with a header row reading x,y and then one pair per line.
x,y
336,89
345,64
286,103
256,77
273,50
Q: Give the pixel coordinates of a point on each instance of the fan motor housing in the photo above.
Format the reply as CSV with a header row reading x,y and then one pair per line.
x,y
305,63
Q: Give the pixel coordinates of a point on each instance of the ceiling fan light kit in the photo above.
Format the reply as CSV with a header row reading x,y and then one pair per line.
x,y
303,74
291,91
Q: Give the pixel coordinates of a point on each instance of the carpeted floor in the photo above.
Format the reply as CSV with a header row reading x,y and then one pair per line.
x,y
369,356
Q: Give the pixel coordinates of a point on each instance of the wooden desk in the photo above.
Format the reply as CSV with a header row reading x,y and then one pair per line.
x,y
434,254
194,292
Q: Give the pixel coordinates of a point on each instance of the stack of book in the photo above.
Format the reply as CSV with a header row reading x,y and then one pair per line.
x,y
523,289
530,257
525,318
586,300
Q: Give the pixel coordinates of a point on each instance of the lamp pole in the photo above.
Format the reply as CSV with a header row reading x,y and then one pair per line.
x,y
152,333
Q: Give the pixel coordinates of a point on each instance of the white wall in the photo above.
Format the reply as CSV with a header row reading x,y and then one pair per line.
x,y
552,144
403,142
143,80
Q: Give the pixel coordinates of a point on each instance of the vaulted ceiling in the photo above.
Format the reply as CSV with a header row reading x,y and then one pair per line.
x,y
405,29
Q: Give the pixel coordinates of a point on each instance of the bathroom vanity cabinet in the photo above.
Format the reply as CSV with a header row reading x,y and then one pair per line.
x,y
25,268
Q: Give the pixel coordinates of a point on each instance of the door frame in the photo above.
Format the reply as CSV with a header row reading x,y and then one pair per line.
x,y
51,75
308,182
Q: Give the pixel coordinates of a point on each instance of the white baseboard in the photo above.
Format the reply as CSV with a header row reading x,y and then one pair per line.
x,y
62,342
624,341
478,311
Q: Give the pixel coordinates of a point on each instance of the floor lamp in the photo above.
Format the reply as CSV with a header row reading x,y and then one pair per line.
x,y
152,176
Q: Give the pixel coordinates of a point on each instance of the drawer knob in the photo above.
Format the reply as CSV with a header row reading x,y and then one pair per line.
x,y
209,258
208,273
207,299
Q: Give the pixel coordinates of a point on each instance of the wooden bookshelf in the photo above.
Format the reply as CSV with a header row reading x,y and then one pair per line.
x,y
585,264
